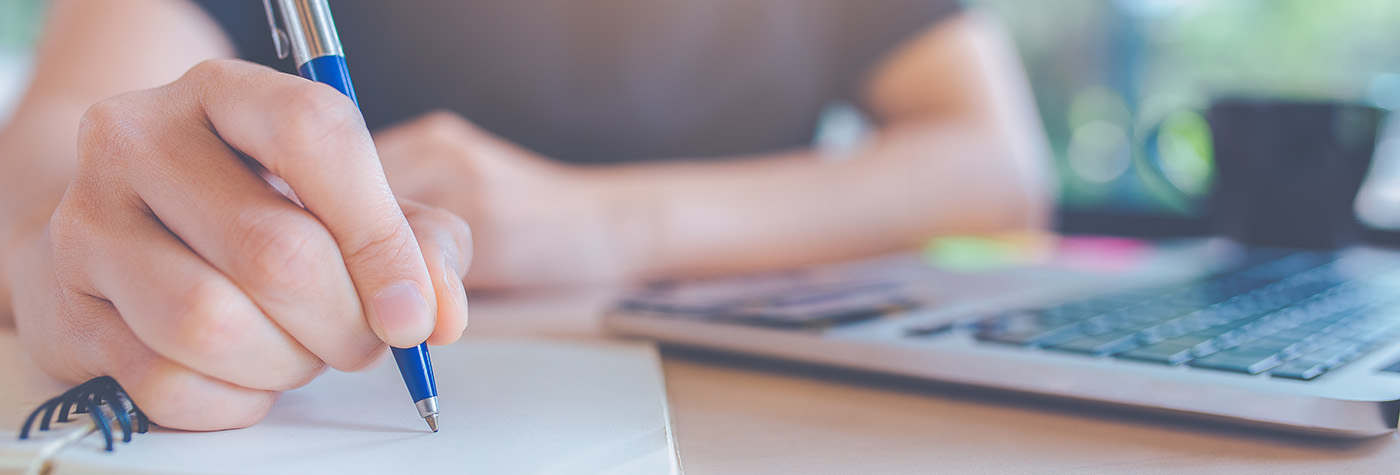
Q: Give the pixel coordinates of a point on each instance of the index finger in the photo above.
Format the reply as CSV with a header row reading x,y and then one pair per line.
x,y
315,139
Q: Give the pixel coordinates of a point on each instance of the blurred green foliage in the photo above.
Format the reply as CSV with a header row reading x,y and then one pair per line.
x,y
1160,57
1290,48
20,21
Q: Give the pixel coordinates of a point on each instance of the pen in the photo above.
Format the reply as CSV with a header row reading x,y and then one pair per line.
x,y
315,47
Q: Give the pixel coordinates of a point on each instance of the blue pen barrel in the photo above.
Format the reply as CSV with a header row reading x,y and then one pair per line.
x,y
315,45
330,70
417,370
414,363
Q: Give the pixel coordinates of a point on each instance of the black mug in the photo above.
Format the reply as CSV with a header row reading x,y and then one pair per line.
x,y
1287,172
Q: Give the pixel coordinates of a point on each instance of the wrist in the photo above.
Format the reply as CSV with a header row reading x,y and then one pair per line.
x,y
17,234
632,218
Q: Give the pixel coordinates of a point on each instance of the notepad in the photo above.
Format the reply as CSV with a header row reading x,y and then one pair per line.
x,y
517,406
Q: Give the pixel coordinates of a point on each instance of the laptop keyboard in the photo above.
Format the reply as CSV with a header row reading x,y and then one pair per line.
x,y
1297,317
1288,314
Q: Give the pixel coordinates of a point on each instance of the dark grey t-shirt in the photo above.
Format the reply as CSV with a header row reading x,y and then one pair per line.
x,y
606,81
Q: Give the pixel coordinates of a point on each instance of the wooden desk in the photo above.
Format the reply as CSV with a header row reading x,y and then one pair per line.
x,y
742,416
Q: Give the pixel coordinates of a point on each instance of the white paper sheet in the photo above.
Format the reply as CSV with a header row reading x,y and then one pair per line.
x,y
507,407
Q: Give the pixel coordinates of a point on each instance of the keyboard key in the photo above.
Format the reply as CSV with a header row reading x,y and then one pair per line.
x,y
1299,369
1285,348
1319,326
820,320
1164,353
1112,302
662,307
1295,334
1335,354
1102,344
930,329
1066,314
1204,319
1177,350
1025,327
1209,343
1369,330
1240,360
1295,317
1166,330
817,295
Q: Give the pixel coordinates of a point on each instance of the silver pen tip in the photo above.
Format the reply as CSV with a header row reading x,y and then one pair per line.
x,y
432,421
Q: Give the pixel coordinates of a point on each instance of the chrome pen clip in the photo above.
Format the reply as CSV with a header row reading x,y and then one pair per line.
x,y
279,36
307,30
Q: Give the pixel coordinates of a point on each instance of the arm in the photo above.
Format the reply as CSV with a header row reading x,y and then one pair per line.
x,y
959,149
90,51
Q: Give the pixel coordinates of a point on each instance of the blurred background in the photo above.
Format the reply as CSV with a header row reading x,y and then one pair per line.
x,y
1108,74
19,28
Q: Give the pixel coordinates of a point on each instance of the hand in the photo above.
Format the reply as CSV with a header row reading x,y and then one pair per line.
x,y
534,222
173,265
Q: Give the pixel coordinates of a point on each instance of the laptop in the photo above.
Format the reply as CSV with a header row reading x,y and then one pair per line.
x,y
1300,341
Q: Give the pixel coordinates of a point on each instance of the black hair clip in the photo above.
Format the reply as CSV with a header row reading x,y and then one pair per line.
x,y
102,399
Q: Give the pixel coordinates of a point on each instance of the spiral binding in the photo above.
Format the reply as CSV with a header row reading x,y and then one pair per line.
x,y
100,398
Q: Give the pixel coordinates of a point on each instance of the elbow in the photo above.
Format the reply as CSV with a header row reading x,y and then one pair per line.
x,y
1028,194
1013,210
1005,186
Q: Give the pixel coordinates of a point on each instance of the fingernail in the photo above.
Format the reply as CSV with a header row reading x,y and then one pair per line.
x,y
402,313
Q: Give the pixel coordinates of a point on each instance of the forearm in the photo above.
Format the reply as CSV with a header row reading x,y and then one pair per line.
x,y
90,50
915,181
960,151
37,160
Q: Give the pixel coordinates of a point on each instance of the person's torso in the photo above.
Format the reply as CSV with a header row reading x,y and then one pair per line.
x,y
611,80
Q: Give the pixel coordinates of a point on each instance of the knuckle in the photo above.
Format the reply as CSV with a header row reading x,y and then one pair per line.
x,y
111,131
284,250
68,224
394,248
68,235
455,134
455,229
212,70
209,323
314,117
446,220
461,232
444,124
76,234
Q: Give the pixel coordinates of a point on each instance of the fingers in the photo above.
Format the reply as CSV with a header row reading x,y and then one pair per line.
x,y
273,249
447,246
180,271
187,311
170,394
181,307
175,397
314,138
